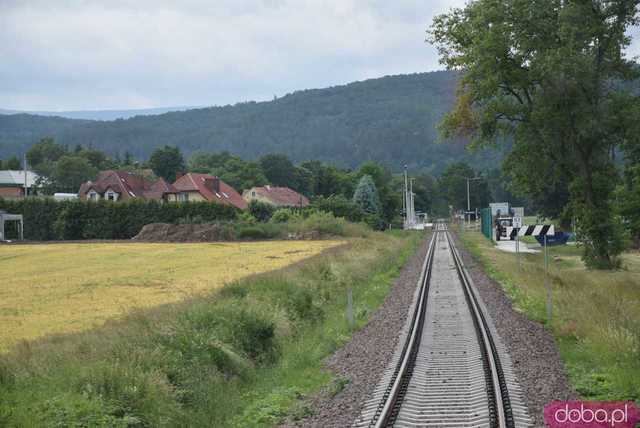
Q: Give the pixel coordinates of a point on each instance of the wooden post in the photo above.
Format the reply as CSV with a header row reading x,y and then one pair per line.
x,y
350,318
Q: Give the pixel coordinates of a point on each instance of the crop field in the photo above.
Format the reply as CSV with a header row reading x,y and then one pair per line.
x,y
61,288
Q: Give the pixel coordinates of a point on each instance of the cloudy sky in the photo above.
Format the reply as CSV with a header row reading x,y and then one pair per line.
x,y
116,54
75,54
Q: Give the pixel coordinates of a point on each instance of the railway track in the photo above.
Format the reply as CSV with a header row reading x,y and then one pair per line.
x,y
450,368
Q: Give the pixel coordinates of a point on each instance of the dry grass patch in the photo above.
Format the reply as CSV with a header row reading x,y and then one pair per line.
x,y
61,288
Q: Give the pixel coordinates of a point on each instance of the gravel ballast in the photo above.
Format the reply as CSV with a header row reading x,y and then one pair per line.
x,y
362,361
533,351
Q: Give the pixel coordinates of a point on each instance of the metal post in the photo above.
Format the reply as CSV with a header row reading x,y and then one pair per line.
x,y
547,286
518,249
350,318
25,175
468,198
406,198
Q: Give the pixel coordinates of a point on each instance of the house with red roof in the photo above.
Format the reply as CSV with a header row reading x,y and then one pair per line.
x,y
115,185
204,187
277,196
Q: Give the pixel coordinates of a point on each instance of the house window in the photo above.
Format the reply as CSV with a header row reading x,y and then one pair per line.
x,y
253,193
93,196
111,196
184,197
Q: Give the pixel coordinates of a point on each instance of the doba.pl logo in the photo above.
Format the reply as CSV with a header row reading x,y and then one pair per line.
x,y
591,414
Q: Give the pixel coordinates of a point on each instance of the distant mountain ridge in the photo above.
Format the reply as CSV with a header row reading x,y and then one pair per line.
x,y
101,114
390,119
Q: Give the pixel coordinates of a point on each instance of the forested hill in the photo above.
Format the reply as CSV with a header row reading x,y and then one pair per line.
x,y
390,119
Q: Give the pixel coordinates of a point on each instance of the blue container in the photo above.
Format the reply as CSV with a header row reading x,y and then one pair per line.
x,y
559,238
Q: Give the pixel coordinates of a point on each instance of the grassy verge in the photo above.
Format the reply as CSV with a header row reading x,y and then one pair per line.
x,y
596,313
245,356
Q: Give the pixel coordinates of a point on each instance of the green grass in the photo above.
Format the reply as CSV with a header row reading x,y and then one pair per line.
x,y
596,319
247,355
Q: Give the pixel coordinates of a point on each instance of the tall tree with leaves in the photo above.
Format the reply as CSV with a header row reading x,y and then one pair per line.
x,y
543,71
13,163
279,170
453,187
166,162
366,196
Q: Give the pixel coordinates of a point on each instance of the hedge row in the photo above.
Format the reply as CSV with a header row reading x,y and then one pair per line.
x,y
46,219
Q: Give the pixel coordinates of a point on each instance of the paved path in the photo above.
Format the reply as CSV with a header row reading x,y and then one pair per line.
x,y
510,247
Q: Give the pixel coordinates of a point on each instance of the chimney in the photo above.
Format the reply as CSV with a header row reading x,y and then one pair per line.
x,y
213,184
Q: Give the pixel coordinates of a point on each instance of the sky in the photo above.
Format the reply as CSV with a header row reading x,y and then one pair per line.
x,y
87,54
83,54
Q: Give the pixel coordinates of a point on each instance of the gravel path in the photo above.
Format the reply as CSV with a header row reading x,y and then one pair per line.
x,y
532,349
365,357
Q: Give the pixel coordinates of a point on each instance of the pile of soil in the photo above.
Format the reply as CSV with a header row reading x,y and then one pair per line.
x,y
165,232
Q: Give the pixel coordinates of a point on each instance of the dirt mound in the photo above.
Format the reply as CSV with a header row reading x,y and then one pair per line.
x,y
164,232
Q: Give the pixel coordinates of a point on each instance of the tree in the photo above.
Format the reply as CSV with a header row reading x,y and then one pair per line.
x,y
542,72
70,172
166,162
381,176
453,187
366,196
240,174
279,170
43,154
13,163
97,158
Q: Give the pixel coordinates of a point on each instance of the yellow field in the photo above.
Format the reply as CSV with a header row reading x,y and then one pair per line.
x,y
61,288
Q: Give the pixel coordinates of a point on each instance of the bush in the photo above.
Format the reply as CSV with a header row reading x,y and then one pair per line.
x,y
261,211
325,225
47,219
260,231
375,222
339,206
283,215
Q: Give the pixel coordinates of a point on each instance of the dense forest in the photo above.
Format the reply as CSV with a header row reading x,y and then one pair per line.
x,y
391,120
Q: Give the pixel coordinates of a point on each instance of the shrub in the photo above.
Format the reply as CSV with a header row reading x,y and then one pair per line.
x,y
339,206
375,221
261,211
260,231
47,219
283,215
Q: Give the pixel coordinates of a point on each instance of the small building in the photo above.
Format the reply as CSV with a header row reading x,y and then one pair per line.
x,y
5,217
12,183
114,186
278,196
205,187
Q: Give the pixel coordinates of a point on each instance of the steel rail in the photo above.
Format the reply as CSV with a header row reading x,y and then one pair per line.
x,y
504,416
384,413
501,415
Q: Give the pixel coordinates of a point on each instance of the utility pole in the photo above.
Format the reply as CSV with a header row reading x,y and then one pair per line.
x,y
406,198
412,218
468,195
25,174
